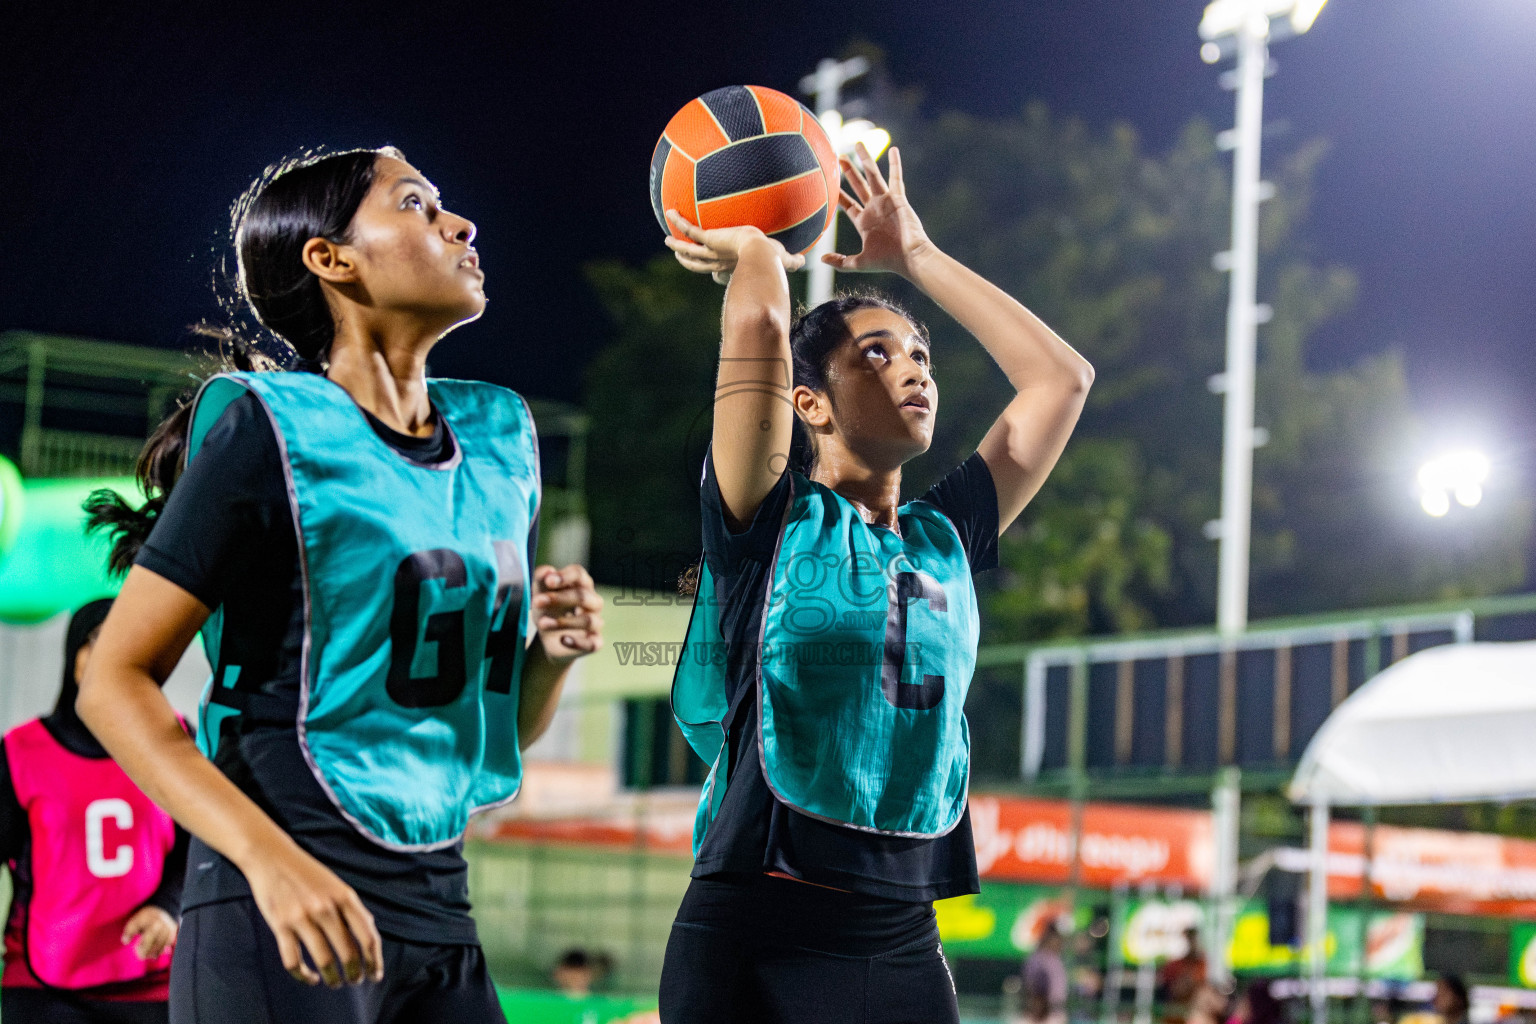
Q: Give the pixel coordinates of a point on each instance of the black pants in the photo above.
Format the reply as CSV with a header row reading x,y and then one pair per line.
x,y
764,950
226,970
43,1006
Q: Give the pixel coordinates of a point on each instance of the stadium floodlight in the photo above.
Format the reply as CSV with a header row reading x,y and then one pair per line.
x,y
1459,475
1225,21
846,135
826,85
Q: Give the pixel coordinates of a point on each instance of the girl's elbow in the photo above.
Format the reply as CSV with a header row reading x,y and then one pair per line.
x,y
763,321
1082,376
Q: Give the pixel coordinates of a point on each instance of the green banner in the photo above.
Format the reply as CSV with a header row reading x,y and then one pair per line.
x,y
1003,922
1522,955
1390,944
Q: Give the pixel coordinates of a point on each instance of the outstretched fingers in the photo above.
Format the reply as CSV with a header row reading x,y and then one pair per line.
x,y
871,169
855,179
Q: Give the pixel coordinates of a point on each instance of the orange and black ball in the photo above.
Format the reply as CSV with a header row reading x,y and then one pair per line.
x,y
744,155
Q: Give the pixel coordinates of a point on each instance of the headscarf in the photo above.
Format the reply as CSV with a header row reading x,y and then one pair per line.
x,y
86,620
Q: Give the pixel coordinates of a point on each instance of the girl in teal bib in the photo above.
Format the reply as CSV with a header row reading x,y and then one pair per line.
x,y
355,544
835,627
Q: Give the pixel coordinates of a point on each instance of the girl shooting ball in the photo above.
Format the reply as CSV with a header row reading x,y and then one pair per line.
x,y
835,811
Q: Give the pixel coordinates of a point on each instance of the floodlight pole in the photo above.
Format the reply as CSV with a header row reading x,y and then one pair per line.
x,y
826,85
1235,524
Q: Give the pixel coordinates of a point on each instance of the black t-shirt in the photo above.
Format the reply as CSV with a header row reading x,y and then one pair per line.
x,y
227,537
753,831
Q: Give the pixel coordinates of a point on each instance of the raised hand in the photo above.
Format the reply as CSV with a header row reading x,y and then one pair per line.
x,y
566,608
892,234
716,251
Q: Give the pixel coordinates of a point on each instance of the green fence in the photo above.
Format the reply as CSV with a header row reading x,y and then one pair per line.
x,y
534,901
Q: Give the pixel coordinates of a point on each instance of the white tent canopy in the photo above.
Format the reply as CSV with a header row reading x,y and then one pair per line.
x,y
1451,724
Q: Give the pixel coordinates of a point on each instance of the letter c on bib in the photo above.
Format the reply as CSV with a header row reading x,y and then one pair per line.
x,y
96,860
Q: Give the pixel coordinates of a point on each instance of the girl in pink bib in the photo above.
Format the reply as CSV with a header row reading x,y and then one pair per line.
x,y
97,870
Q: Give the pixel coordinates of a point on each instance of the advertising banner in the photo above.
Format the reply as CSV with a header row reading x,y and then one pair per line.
x,y
1522,955
1019,839
1005,921
1431,869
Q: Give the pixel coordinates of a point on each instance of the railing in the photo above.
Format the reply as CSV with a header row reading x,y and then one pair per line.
x,y
1159,714
67,453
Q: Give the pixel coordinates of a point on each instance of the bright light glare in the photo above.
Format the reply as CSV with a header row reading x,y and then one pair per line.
x,y
1227,17
1305,13
1460,473
845,135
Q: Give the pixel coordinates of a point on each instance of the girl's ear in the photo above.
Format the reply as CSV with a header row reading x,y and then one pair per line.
x,y
812,407
329,261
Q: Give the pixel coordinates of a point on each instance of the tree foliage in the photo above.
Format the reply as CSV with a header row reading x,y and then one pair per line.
x,y
1113,247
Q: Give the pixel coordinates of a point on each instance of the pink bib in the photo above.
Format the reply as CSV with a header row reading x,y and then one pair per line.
x,y
98,850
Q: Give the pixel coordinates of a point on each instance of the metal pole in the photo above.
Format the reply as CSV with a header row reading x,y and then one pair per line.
x,y
1242,327
1226,804
1077,764
1114,959
1317,910
826,86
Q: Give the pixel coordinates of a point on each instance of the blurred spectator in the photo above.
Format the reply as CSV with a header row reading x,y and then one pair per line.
x,y
1206,1005
1087,980
1389,1010
1257,1006
1045,980
1178,979
1451,1002
574,973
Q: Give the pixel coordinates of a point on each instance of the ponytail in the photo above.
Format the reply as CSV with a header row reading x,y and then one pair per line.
x,y
304,197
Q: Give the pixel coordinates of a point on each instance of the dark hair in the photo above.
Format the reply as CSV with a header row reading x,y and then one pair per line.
x,y
1458,989
301,198
1263,1007
575,958
312,195
813,336
84,625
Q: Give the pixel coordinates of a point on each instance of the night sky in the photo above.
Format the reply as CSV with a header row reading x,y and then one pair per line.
x,y
130,127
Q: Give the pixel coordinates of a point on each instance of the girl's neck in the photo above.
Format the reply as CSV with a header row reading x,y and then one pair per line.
x,y
386,376
876,493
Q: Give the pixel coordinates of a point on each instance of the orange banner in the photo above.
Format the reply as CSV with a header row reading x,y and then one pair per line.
x,y
1024,840
1434,870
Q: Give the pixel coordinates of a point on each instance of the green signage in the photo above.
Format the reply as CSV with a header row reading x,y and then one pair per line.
x,y
1005,921
1522,955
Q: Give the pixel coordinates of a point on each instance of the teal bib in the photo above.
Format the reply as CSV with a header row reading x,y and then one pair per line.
x,y
867,652
416,601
